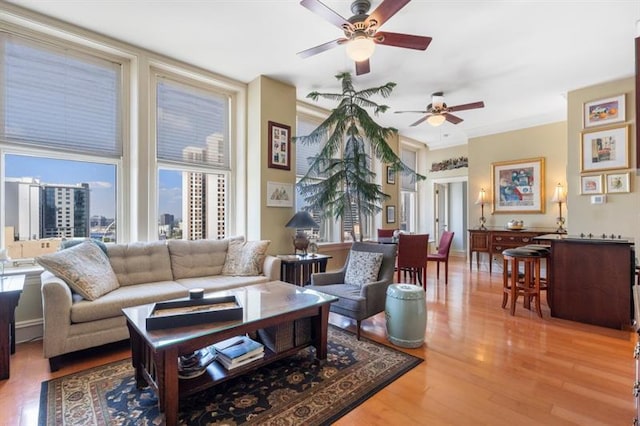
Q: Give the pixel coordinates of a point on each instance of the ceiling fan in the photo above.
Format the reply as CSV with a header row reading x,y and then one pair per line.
x,y
438,112
361,31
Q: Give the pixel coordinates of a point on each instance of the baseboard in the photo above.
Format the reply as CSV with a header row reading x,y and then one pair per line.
x,y
29,330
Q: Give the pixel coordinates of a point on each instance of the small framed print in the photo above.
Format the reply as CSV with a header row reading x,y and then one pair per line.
x,y
591,185
604,111
279,146
617,183
279,194
391,214
391,176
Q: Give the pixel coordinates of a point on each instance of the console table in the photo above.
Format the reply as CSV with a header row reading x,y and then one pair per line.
x,y
495,240
297,269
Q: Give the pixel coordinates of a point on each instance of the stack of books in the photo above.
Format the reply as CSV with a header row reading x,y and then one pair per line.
x,y
196,363
237,351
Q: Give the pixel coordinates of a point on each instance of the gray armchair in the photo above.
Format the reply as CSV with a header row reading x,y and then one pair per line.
x,y
359,302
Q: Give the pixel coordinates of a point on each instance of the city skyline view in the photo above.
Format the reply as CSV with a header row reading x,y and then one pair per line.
x,y
100,177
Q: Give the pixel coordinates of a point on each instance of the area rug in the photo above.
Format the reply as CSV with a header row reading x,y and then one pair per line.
x,y
292,391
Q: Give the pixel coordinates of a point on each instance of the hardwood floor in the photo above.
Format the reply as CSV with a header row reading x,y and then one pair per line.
x,y
482,366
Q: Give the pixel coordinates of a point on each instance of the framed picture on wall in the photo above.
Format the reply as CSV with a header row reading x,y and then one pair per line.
x,y
604,111
605,149
279,194
617,183
518,186
279,146
391,176
391,214
591,184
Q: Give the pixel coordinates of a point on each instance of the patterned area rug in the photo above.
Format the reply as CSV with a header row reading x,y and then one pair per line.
x,y
292,391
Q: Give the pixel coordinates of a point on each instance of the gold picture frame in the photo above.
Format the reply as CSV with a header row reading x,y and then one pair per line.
x,y
617,183
605,149
518,186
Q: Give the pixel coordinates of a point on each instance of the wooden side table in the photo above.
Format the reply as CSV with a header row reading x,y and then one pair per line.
x,y
297,269
10,290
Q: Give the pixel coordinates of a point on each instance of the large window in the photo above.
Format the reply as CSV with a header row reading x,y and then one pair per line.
x,y
192,133
60,144
408,193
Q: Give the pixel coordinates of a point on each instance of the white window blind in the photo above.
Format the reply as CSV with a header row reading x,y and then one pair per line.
x,y
60,98
305,151
192,125
408,182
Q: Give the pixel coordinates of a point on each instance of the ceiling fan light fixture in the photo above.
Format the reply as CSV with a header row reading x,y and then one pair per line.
x,y
360,48
436,119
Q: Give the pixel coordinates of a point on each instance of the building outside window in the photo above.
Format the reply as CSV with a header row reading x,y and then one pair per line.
x,y
193,145
60,143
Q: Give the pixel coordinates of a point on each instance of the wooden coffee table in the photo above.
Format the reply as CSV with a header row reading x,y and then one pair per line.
x,y
155,352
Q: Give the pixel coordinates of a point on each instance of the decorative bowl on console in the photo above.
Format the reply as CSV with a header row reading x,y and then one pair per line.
x,y
515,225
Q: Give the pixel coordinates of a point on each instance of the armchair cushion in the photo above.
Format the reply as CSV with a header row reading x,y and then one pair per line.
x,y
363,268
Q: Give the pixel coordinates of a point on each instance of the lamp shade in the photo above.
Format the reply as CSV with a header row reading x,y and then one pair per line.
x,y
360,48
558,195
302,220
436,119
481,197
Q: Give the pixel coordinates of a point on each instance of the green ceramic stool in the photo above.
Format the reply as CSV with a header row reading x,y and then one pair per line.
x,y
406,314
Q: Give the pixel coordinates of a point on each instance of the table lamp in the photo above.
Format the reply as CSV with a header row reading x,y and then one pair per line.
x,y
300,221
481,200
560,197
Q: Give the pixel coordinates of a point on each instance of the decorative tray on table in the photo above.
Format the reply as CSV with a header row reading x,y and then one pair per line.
x,y
180,313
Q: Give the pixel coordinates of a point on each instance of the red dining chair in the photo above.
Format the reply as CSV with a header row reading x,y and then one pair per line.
x,y
443,254
412,256
385,233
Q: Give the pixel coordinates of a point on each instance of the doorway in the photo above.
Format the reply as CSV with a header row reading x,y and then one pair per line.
x,y
450,212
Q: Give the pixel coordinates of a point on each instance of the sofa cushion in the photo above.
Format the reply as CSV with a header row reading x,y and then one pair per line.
x,y
221,282
84,267
197,258
140,262
363,267
245,258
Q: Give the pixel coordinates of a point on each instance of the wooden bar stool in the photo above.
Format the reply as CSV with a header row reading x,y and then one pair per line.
x,y
527,283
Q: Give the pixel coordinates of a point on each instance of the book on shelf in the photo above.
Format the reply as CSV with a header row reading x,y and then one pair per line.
x,y
236,350
230,365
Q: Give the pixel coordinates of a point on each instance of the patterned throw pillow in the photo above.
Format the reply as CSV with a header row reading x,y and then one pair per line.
x,y
84,267
363,268
245,258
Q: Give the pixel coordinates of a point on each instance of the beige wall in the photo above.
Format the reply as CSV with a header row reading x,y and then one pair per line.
x,y
269,100
547,141
620,214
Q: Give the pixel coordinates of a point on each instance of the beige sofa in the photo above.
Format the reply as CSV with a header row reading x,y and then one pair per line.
x,y
146,272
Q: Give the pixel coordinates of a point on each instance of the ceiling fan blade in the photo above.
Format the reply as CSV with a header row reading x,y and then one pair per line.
x,y
386,10
402,40
328,14
452,118
472,105
402,112
421,120
321,48
362,67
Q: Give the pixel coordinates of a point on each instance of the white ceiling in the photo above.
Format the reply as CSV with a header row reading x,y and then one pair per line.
x,y
519,57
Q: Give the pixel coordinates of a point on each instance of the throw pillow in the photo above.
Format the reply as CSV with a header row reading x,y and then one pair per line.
x,y
245,258
84,267
363,268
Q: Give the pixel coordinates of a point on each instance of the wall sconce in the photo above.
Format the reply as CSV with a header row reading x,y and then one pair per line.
x,y
560,197
481,200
